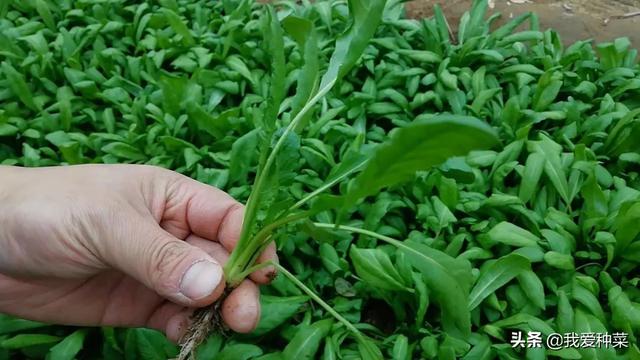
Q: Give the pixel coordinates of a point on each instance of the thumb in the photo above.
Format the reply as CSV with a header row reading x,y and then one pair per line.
x,y
174,269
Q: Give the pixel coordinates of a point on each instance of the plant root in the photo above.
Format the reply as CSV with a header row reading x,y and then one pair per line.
x,y
203,322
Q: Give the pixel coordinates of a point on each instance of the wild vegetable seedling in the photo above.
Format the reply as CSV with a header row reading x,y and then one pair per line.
x,y
417,146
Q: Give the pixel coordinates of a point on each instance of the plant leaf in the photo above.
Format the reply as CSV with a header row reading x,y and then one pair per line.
x,y
27,340
306,342
419,146
374,267
10,325
239,352
366,16
276,310
304,33
69,346
497,275
448,279
533,287
510,234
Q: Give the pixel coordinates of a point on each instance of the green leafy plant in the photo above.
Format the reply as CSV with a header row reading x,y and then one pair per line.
x,y
417,146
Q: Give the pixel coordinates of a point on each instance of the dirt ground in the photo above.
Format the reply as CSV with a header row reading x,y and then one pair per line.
x,y
573,19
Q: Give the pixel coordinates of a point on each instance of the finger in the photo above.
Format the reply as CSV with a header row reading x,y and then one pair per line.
x,y
178,324
241,309
262,276
176,270
214,249
172,319
206,211
267,274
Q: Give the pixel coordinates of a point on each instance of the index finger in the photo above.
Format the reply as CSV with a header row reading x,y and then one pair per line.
x,y
212,214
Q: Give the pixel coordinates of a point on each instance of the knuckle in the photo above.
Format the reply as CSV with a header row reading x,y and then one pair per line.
x,y
168,259
236,207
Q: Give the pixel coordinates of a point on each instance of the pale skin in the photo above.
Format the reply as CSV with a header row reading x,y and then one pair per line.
x,y
119,245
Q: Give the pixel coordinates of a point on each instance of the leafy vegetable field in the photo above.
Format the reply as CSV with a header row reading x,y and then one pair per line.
x,y
431,194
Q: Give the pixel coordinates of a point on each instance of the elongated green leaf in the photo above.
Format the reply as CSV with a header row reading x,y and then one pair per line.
x,y
369,350
525,322
45,13
375,268
420,146
273,36
480,351
475,21
565,315
179,26
553,166
531,176
559,260
497,275
239,352
456,168
10,325
510,234
276,310
621,137
547,90
533,287
423,298
421,56
18,85
303,31
243,155
210,348
625,225
153,345
236,63
445,278
624,311
272,356
586,323
69,347
306,342
330,259
27,340
400,349
589,301
366,16
123,151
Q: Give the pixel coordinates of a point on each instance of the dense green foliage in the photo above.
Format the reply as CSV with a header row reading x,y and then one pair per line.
x,y
539,233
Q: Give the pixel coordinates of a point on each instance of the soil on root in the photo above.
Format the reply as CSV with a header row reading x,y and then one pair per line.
x,y
204,322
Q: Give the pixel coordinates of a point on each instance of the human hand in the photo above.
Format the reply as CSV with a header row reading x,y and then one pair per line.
x,y
119,245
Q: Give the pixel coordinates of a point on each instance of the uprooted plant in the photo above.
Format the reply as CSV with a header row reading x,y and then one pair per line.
x,y
414,147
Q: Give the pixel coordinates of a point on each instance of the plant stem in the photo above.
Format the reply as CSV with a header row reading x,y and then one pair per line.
x,y
320,302
392,241
272,156
243,257
254,268
266,231
246,243
326,186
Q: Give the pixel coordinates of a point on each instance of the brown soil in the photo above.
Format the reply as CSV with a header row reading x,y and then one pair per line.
x,y
573,19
